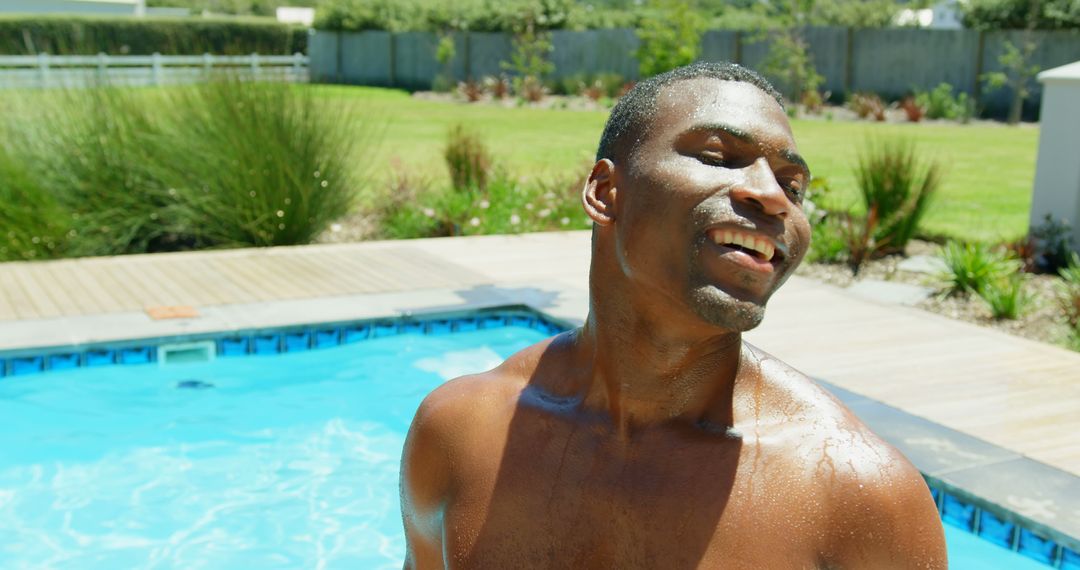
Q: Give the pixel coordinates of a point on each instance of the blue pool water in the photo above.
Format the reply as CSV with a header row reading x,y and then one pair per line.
x,y
281,461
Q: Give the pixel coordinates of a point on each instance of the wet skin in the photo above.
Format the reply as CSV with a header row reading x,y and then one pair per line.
x,y
653,436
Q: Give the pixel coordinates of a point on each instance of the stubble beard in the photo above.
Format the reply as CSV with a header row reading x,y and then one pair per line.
x,y
721,310
718,307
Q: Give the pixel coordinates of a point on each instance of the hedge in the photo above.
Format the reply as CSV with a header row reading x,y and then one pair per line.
x,y
74,35
472,15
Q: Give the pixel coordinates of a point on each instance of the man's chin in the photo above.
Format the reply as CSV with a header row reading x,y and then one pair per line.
x,y
725,310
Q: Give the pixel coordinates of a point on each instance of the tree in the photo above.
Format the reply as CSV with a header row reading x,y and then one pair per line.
x,y
670,37
789,59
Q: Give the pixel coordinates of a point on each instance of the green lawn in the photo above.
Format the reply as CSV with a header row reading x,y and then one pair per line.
x,y
986,193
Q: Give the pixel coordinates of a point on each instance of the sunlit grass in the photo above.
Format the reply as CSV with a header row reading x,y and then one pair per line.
x,y
985,193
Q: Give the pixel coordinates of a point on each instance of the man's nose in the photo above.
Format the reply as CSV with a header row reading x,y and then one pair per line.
x,y
760,189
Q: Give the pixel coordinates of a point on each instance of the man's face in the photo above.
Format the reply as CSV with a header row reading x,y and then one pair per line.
x,y
710,202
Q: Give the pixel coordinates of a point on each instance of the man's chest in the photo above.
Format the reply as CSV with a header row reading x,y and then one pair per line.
x,y
575,503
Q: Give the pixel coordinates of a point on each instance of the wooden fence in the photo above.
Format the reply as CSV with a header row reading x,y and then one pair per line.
x,y
44,70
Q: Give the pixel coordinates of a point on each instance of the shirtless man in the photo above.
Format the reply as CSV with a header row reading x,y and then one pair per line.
x,y
653,437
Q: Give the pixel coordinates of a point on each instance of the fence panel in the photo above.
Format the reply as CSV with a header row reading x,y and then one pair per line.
x,y
595,51
323,55
487,51
828,48
893,62
720,45
365,58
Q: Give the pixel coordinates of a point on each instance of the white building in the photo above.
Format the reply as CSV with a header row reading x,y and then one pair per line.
x,y
87,7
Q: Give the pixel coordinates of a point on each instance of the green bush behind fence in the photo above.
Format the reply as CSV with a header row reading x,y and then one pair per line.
x,y
73,35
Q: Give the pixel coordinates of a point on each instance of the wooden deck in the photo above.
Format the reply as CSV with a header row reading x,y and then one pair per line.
x,y
1018,394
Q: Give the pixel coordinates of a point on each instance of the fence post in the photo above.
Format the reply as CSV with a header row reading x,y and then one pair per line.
x,y
849,62
158,72
980,51
298,66
207,65
393,60
255,66
43,68
102,67
468,56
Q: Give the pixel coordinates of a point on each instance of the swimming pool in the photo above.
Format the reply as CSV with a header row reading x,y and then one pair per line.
x,y
285,460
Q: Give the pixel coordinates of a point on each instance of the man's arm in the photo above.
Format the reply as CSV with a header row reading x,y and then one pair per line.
x,y
888,520
425,483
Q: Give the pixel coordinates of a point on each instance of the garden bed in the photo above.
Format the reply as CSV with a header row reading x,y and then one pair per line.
x,y
1041,321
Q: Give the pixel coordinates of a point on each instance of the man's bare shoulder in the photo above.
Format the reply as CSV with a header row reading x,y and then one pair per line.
x,y
462,415
879,505
451,440
479,399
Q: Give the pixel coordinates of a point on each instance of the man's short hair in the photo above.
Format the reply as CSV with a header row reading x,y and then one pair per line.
x,y
630,117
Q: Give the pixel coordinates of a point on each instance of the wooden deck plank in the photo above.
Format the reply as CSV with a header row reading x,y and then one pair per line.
x,y
66,277
21,304
38,292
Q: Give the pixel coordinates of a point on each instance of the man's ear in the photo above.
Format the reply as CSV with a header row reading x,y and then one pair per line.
x,y
598,196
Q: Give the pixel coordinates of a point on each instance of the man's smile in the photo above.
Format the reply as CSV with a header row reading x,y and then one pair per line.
x,y
754,244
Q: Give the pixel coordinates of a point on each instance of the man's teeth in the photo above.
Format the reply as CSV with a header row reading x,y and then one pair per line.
x,y
761,246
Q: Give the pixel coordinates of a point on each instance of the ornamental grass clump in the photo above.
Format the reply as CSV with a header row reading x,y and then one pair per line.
x,y
101,148
32,223
1007,297
259,164
467,159
973,267
1069,298
896,187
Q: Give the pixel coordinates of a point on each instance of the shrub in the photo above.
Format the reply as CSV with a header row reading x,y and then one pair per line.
x,y
34,225
896,187
670,37
1052,244
912,110
498,87
98,145
1069,293
407,209
828,243
471,91
65,35
867,105
259,163
939,103
1007,297
790,62
972,268
1019,14
467,159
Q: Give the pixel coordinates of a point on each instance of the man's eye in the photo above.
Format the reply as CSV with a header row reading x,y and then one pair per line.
x,y
795,190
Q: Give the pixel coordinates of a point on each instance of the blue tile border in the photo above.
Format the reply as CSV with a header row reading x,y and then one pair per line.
x,y
276,341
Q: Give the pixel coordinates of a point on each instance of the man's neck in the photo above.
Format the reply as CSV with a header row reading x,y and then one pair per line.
x,y
647,371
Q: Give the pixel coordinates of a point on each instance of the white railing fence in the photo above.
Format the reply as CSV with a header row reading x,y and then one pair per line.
x,y
44,70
